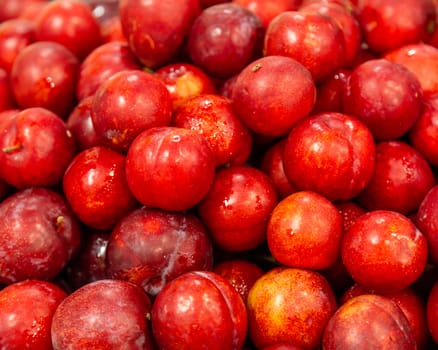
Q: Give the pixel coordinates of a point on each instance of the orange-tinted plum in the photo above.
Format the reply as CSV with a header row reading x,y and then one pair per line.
x,y
289,305
184,81
305,231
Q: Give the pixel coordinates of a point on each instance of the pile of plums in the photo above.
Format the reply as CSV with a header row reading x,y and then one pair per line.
x,y
207,174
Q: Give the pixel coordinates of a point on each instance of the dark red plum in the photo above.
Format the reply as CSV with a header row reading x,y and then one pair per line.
x,y
105,314
150,247
39,235
166,29
224,39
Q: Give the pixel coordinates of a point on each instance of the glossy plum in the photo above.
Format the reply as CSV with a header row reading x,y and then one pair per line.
x,y
213,117
330,153
30,306
170,168
199,309
129,102
384,251
95,186
36,148
237,208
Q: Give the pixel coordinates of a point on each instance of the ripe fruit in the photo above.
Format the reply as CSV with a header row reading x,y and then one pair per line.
x,y
70,23
389,110
105,314
422,60
305,231
184,81
95,186
170,168
44,74
129,102
289,305
156,30
212,116
384,251
314,40
272,93
26,311
400,180
101,63
432,312
35,148
383,31
237,208
225,38
39,235
271,163
423,135
329,153
199,309
150,247
369,322
242,274
15,35
427,221
409,301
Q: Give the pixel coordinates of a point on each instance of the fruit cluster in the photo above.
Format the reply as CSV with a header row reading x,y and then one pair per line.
x,y
207,174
